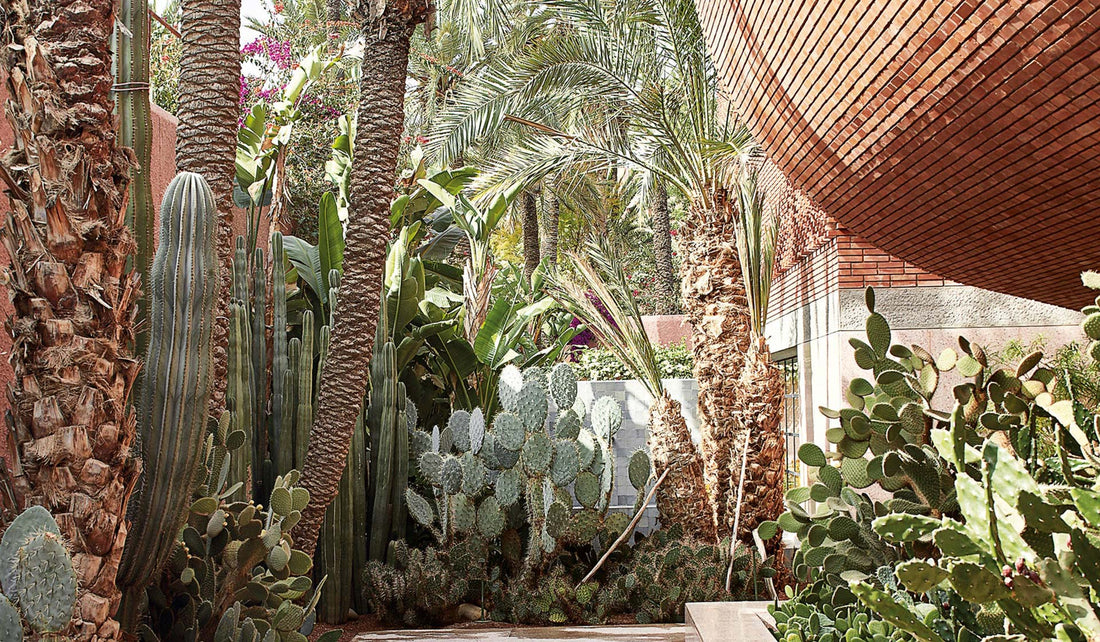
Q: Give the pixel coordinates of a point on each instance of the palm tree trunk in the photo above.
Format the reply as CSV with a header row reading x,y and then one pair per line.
x,y
344,378
716,308
758,419
553,225
531,256
667,299
683,499
74,296
206,139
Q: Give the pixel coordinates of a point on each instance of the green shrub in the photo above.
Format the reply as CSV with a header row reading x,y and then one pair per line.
x,y
965,543
601,364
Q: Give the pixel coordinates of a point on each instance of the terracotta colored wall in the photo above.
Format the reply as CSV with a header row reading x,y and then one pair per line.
x,y
163,169
959,135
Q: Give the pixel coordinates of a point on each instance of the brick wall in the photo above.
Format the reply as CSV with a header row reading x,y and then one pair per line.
x,y
939,130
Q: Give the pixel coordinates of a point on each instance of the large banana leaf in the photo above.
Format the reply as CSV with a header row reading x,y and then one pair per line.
x,y
306,259
330,238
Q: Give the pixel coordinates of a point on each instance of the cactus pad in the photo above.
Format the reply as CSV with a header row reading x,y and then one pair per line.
x,y
566,463
508,431
607,417
474,474
431,467
563,385
451,475
506,458
11,628
568,425
465,517
508,487
511,381
557,520
476,430
587,489
587,447
490,519
537,452
32,521
45,583
459,426
532,406
639,469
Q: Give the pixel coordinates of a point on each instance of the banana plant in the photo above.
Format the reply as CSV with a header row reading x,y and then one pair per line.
x,y
263,142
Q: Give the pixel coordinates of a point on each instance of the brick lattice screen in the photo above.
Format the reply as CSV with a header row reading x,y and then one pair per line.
x,y
961,136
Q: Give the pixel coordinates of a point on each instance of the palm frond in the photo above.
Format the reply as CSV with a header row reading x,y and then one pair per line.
x,y
756,238
601,282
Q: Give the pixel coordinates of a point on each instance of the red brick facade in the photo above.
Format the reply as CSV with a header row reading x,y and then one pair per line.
x,y
960,135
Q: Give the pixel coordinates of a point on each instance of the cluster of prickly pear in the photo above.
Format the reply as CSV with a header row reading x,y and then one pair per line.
x,y
666,570
417,589
37,576
1091,327
237,552
974,544
492,480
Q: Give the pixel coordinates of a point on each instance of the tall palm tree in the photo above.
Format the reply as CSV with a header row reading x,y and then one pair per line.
x,y
73,293
667,279
643,94
206,138
601,285
344,378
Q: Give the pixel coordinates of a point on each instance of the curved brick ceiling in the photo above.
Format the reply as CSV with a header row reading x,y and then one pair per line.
x,y
961,136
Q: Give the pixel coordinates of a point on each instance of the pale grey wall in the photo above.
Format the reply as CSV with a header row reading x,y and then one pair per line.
x,y
635,401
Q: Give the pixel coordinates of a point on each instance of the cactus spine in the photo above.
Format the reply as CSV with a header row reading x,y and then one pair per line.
x,y
176,380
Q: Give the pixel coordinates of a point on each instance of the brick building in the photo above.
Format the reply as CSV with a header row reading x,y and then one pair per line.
x,y
943,151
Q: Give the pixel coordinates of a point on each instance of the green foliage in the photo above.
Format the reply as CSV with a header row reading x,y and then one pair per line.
x,y
978,543
601,364
418,589
235,568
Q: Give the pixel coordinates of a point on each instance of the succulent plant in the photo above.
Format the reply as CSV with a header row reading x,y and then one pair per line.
x,y
175,385
38,577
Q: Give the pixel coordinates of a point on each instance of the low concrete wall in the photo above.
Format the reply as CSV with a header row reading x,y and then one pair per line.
x,y
635,402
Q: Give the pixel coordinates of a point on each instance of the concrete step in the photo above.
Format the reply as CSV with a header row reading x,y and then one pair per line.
x,y
727,622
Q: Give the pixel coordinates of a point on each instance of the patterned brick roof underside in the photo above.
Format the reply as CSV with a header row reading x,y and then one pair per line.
x,y
959,136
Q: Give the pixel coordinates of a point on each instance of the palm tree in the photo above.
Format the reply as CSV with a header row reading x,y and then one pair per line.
x,y
530,224
631,81
601,285
344,378
206,138
662,251
74,295
760,385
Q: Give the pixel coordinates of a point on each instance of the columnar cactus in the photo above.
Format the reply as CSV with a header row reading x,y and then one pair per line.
x,y
176,378
280,363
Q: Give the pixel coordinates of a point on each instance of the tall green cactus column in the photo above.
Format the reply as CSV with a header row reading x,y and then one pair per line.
x,y
176,380
280,363
265,477
136,132
241,389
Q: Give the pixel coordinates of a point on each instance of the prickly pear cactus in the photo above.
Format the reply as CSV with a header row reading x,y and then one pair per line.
x,y
516,473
